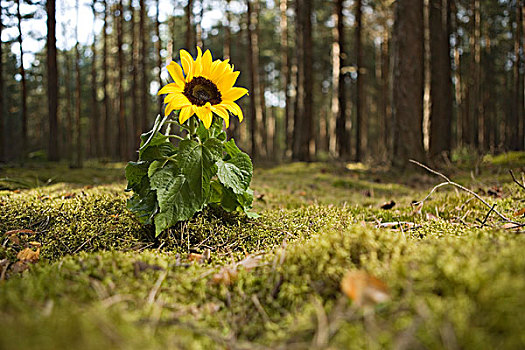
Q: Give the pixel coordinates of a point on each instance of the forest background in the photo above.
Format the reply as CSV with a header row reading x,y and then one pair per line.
x,y
359,80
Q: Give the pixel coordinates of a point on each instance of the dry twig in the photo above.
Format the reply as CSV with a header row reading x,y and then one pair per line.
x,y
515,180
452,183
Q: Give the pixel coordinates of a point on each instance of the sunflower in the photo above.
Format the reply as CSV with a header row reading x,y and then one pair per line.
x,y
202,87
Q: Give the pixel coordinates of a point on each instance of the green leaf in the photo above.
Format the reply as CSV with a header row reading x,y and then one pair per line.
x,y
183,186
236,173
231,148
167,149
135,171
156,165
144,207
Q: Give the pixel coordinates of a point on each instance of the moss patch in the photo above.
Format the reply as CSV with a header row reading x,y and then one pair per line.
x,y
104,281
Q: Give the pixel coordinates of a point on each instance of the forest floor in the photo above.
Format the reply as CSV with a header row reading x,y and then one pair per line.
x,y
447,274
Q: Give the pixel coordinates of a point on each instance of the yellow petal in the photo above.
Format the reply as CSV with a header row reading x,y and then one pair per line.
x,y
176,73
206,63
234,93
223,113
177,100
204,114
187,64
220,69
185,114
227,81
234,108
197,67
169,89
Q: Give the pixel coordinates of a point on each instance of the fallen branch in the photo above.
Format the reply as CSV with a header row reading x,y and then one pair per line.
x,y
515,180
452,183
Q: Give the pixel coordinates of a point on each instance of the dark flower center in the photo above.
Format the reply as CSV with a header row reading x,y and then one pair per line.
x,y
201,91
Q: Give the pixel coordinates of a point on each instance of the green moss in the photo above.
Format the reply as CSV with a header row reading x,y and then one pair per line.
x,y
104,281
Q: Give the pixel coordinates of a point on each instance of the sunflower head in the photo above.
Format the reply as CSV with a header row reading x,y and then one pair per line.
x,y
202,87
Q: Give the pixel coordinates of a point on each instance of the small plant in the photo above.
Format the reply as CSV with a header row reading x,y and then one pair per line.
x,y
173,182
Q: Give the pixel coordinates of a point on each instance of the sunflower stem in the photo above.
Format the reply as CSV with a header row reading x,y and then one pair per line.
x,y
193,128
175,137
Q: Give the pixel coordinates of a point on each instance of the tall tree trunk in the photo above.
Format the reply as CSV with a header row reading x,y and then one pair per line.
x,y
304,130
189,25
198,26
227,45
255,95
79,145
341,132
95,127
52,81
285,73
386,109
107,115
2,98
23,101
137,127
458,79
408,82
360,135
440,80
471,123
158,47
143,66
518,127
122,134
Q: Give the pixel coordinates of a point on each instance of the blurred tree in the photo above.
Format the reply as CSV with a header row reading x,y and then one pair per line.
x,y
52,81
440,79
408,82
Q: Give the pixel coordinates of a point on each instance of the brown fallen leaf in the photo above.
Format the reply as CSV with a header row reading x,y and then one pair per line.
x,y
228,274
200,258
520,212
28,255
69,195
388,205
364,289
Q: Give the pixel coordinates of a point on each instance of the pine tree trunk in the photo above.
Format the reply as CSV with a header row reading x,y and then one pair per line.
x,y
107,115
94,122
360,134
158,47
341,132
23,102
408,82
386,109
304,129
137,127
198,26
285,73
440,80
226,48
79,145
122,135
518,127
143,67
255,95
2,98
52,81
189,25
